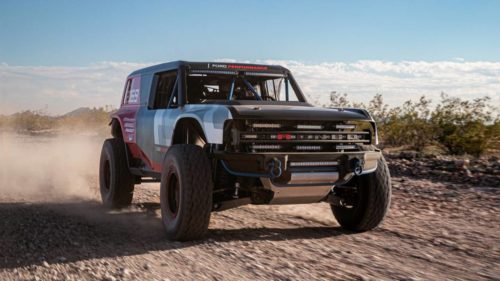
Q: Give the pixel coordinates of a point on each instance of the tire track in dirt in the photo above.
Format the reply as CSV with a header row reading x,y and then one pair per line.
x,y
422,239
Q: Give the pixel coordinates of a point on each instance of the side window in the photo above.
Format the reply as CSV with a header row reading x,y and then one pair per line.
x,y
163,90
276,88
131,92
126,91
292,96
133,97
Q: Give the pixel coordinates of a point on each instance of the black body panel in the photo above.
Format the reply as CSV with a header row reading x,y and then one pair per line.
x,y
282,112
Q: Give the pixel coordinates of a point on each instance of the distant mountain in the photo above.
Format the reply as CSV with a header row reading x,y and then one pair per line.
x,y
77,112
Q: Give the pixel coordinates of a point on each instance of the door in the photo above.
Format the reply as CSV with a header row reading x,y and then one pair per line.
x,y
155,122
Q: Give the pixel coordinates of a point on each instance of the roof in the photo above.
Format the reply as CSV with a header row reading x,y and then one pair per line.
x,y
210,66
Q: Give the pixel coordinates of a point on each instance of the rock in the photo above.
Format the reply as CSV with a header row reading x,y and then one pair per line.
x,y
462,163
108,277
124,272
409,155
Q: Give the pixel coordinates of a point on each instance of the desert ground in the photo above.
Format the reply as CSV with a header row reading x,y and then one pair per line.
x,y
444,224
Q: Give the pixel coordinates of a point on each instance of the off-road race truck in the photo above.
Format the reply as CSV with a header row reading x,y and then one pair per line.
x,y
221,135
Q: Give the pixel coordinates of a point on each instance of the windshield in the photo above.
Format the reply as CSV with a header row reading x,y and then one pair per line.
x,y
206,87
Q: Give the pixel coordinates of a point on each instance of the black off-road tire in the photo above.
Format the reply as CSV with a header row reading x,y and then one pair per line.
x,y
115,180
373,200
186,192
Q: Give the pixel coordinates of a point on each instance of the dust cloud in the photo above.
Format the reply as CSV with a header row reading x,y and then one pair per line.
x,y
49,168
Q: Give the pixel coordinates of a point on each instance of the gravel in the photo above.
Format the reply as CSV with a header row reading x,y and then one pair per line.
x,y
443,224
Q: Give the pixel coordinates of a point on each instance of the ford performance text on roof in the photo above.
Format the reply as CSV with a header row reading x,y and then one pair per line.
x,y
221,135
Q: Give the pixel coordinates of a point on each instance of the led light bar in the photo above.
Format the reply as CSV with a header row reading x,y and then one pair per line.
x,y
248,136
308,147
264,74
266,146
345,126
314,164
309,127
207,71
266,125
344,146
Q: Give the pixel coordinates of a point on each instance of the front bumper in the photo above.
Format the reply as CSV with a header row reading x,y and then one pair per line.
x,y
298,163
308,183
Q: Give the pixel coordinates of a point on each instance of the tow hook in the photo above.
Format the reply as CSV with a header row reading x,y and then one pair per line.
x,y
357,166
275,168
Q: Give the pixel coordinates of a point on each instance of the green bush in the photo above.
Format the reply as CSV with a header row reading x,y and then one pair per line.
x,y
408,125
93,118
460,126
31,121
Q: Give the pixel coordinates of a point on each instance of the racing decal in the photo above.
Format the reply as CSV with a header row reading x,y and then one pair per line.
x,y
129,128
237,66
164,122
211,121
133,96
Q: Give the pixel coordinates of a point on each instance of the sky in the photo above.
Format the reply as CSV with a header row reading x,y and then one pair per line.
x,y
60,55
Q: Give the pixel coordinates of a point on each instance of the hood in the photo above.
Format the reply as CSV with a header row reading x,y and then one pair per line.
x,y
293,112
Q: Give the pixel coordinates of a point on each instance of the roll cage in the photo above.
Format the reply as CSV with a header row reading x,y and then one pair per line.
x,y
181,91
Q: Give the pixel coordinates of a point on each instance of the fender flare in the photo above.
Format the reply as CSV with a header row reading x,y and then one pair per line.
x,y
191,122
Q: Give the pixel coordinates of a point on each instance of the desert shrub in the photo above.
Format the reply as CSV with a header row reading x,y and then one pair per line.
x,y
3,121
31,121
84,119
339,100
408,125
493,132
88,118
403,125
377,108
462,125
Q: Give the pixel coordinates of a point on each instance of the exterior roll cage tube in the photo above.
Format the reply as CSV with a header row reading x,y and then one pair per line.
x,y
254,92
252,89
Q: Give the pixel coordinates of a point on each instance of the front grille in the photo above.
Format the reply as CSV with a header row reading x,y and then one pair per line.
x,y
302,136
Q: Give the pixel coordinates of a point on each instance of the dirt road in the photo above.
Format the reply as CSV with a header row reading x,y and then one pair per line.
x,y
444,223
434,231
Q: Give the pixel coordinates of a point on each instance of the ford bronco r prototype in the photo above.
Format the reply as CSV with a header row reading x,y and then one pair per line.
x,y
221,135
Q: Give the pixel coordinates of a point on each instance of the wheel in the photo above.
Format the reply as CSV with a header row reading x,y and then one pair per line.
x,y
186,192
365,199
115,181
